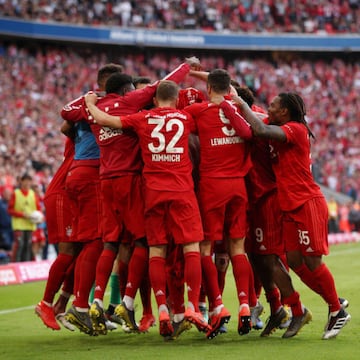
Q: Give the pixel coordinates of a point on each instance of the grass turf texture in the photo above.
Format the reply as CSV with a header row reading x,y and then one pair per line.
x,y
23,336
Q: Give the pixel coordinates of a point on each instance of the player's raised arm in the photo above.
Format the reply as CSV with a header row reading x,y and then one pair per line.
x,y
259,128
240,125
100,117
201,75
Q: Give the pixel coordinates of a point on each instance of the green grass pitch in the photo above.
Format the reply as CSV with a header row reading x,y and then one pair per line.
x,y
23,336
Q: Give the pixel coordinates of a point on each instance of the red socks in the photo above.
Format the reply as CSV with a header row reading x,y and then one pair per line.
x,y
123,275
85,271
308,278
322,282
103,272
57,275
138,266
158,279
210,282
273,298
192,277
294,302
326,283
242,271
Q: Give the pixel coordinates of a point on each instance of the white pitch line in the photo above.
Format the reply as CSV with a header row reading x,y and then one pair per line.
x,y
10,311
335,252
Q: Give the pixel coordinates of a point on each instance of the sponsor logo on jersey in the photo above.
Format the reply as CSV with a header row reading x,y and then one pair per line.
x,y
108,133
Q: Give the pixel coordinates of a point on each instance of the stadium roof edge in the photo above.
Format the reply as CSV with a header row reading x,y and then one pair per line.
x,y
62,32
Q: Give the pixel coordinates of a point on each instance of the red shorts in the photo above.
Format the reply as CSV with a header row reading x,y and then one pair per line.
x,y
38,236
306,228
265,220
172,212
122,207
126,238
83,188
58,217
223,204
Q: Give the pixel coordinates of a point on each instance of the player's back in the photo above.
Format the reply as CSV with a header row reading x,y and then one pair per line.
x,y
164,134
120,152
223,153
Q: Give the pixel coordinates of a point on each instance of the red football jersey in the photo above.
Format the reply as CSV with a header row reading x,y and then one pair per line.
x,y
189,96
164,134
292,166
223,153
261,178
119,149
57,183
74,110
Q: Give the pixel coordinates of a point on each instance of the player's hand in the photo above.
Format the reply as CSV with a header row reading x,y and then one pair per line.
x,y
91,98
194,63
238,100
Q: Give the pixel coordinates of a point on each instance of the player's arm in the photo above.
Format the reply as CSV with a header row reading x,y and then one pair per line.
x,y
74,111
140,98
67,128
201,75
240,125
100,117
259,128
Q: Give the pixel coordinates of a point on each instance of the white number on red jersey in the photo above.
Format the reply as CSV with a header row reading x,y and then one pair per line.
x,y
171,147
228,130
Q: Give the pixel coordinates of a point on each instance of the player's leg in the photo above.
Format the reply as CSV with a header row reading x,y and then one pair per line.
x,y
103,270
157,273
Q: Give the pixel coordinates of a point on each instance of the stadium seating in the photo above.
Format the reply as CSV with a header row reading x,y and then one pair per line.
x,y
38,80
305,16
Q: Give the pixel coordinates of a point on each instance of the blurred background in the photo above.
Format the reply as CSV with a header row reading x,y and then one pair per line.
x,y
50,52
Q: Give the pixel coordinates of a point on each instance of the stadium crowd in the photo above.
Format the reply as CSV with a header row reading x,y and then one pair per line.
x,y
36,81
41,78
305,16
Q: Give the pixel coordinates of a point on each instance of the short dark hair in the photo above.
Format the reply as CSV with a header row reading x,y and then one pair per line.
x,y
234,83
246,94
219,80
106,71
26,176
117,83
141,80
